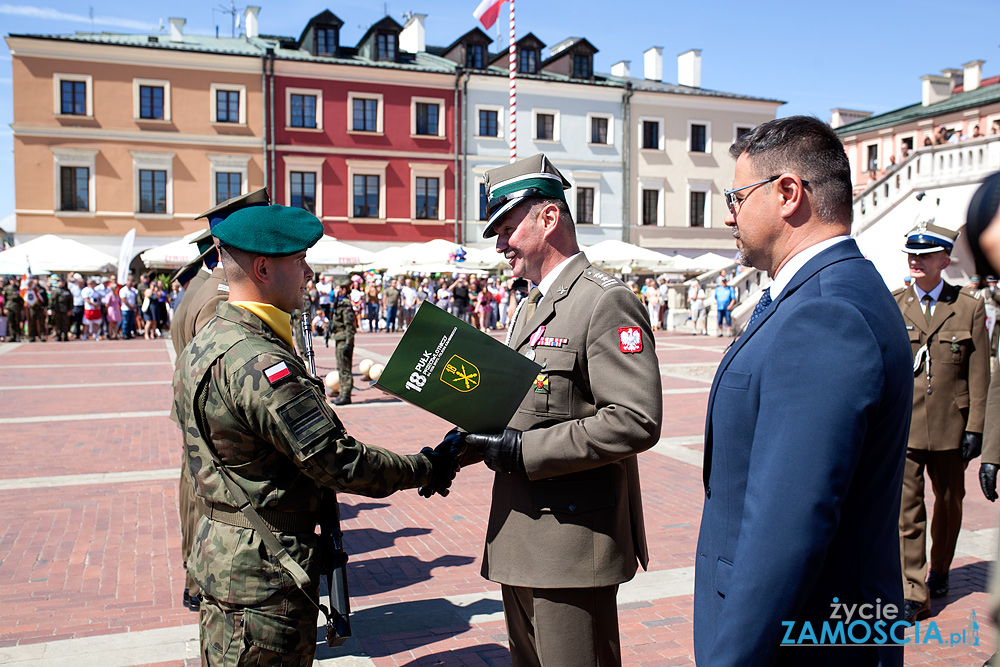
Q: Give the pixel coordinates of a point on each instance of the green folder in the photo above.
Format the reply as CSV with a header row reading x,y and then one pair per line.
x,y
457,372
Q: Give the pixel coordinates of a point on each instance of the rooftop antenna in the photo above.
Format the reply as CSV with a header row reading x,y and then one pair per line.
x,y
234,15
90,13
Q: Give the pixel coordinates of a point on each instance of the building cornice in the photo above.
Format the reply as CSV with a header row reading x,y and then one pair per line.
x,y
290,150
135,136
359,74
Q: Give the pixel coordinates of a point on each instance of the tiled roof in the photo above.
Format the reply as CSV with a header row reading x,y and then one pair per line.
x,y
915,112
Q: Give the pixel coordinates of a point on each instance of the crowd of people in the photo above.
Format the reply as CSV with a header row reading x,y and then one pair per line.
x,y
96,308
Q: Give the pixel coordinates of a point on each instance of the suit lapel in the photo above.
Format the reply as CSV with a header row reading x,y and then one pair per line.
x,y
944,308
546,308
914,312
836,253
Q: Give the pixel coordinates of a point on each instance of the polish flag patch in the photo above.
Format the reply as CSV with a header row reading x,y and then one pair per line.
x,y
277,372
630,339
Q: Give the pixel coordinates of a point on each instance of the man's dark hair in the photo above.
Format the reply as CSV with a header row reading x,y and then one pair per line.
x,y
806,146
564,212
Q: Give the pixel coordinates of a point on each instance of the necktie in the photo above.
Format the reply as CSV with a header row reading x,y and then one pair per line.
x,y
528,309
928,300
765,301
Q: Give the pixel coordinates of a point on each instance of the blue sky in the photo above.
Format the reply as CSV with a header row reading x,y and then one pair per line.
x,y
860,55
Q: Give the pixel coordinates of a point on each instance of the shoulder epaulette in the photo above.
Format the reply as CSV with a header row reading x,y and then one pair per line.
x,y
898,291
606,281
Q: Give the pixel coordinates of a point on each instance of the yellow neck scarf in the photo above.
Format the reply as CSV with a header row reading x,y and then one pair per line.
x,y
274,317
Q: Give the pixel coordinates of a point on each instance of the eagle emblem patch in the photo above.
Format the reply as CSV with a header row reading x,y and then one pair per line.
x,y
630,339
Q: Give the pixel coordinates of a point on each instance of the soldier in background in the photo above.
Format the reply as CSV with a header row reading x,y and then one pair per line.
x,y
263,445
61,307
36,311
204,292
947,330
13,305
342,327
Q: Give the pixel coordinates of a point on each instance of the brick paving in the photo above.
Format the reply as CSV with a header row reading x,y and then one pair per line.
x,y
102,560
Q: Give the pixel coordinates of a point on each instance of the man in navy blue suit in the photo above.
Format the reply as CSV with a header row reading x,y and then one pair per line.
x,y
807,425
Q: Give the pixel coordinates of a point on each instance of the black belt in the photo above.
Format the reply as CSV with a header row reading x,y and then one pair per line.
x,y
279,522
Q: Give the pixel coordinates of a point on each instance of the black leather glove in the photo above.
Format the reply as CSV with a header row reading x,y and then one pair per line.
x,y
444,464
988,480
972,446
500,452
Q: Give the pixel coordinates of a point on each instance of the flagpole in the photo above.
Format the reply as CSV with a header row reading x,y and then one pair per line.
x,y
513,88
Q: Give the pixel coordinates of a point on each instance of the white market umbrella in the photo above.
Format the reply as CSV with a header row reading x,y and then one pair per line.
x,y
711,261
54,254
172,255
619,255
331,252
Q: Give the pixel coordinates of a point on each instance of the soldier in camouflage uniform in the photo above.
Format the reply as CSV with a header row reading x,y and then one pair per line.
x,y
342,328
61,305
36,311
13,305
256,424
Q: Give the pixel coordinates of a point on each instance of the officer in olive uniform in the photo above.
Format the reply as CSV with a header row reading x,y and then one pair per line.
x,y
342,328
36,311
13,305
61,305
204,291
947,329
566,525
262,444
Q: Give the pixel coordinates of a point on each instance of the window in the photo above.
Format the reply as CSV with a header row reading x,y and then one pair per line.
x,y
303,190
74,189
650,134
227,106
385,46
697,209
426,120
303,111
74,180
649,206
582,66
699,138
585,205
228,184
741,131
598,130
73,98
228,102
151,102
475,56
426,198
152,191
907,142
326,41
483,200
529,61
488,123
545,127
872,160
366,191
365,115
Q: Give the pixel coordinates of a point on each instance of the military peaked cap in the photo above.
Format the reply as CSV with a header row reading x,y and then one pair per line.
x,y
927,237
273,231
509,185
217,214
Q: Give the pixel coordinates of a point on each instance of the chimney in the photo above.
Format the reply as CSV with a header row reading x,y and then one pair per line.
x,y
653,63
936,88
689,68
252,23
177,30
622,68
413,38
972,78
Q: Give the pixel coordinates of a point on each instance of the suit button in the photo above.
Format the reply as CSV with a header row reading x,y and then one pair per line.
x,y
572,507
708,492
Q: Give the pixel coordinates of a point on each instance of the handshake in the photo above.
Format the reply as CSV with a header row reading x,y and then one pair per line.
x,y
501,452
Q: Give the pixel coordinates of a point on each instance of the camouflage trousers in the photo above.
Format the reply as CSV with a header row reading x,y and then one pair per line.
x,y
190,514
36,323
345,360
61,323
279,632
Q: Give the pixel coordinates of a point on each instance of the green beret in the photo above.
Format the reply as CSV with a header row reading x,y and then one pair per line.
x,y
273,231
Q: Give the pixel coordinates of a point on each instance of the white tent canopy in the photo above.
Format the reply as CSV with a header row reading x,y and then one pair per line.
x,y
435,256
54,254
628,258
711,261
330,252
172,255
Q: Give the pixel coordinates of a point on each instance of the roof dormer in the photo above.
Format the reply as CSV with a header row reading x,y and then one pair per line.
x,y
529,55
573,57
321,36
381,42
471,50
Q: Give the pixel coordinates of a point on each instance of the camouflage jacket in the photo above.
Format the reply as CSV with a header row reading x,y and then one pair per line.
x,y
12,299
242,393
61,300
342,319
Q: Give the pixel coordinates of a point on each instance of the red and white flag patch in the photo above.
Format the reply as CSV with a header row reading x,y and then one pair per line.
x,y
277,372
630,339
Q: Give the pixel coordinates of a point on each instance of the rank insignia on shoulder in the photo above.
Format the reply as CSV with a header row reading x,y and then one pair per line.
x,y
277,372
910,327
630,339
541,384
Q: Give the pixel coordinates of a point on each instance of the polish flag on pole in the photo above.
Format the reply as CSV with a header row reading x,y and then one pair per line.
x,y
488,11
